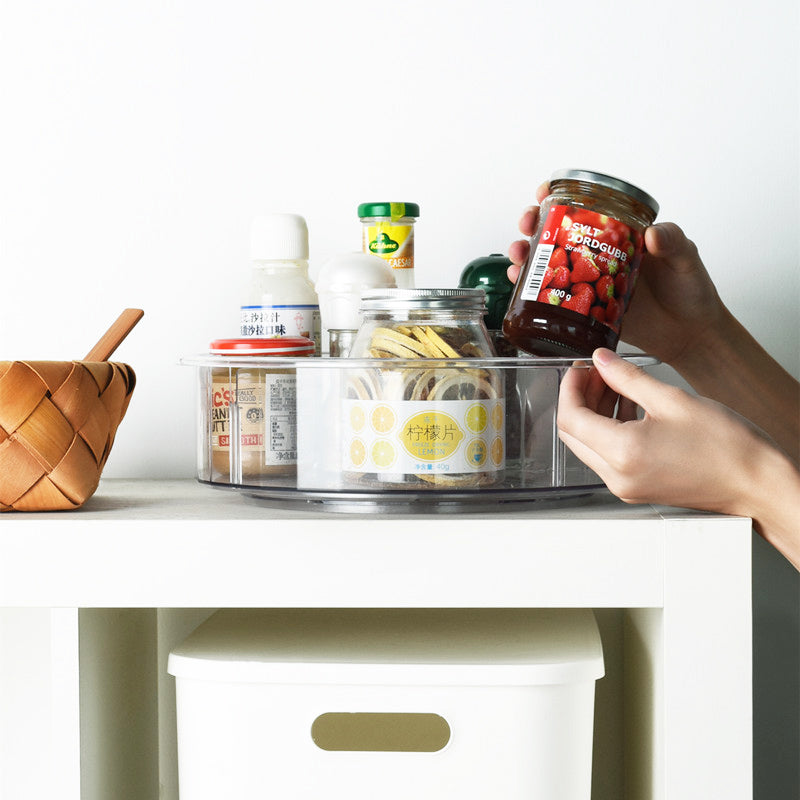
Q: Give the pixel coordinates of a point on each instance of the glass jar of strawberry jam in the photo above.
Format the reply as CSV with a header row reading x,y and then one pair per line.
x,y
573,290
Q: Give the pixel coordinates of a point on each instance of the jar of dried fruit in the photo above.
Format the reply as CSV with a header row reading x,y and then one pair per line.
x,y
436,419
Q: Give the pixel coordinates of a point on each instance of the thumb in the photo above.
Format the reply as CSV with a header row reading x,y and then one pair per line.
x,y
628,380
666,240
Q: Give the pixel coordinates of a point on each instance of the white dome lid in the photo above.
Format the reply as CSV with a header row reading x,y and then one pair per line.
x,y
340,282
353,272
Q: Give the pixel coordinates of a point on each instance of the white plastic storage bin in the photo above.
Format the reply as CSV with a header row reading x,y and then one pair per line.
x,y
401,703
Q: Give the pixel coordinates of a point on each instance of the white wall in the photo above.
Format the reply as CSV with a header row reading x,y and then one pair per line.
x,y
138,139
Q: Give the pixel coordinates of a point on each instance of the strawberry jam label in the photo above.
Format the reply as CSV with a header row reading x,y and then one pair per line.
x,y
585,262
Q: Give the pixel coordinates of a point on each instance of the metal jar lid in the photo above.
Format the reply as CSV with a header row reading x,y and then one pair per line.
x,y
423,299
609,182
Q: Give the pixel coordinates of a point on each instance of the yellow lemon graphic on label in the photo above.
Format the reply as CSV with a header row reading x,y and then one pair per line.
x,y
476,418
383,453
358,452
431,436
497,451
497,417
358,418
476,453
382,418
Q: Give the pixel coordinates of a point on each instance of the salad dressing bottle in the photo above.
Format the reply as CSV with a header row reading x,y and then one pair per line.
x,y
282,300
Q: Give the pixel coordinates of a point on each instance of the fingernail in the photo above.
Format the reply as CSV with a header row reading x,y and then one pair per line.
x,y
603,356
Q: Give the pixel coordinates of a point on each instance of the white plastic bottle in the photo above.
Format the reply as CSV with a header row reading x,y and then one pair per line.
x,y
282,300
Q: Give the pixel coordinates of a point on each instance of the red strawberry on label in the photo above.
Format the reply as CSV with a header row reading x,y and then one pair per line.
x,y
560,279
618,227
598,312
581,303
611,237
562,234
559,258
551,296
629,248
621,285
583,288
607,264
546,278
583,266
604,288
585,217
613,311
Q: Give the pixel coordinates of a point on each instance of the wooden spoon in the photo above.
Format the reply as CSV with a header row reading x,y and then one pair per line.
x,y
113,337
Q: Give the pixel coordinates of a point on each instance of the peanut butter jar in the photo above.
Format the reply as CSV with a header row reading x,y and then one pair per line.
x,y
251,411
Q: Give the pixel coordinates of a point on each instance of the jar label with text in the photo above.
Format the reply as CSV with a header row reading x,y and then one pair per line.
x,y
585,262
422,438
267,417
392,242
281,320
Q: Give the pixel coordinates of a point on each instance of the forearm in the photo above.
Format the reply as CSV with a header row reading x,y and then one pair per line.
x,y
728,365
772,499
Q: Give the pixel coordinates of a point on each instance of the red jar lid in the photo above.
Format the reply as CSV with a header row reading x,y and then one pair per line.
x,y
278,346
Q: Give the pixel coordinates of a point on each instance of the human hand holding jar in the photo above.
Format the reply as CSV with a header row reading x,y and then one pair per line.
x,y
675,301
746,414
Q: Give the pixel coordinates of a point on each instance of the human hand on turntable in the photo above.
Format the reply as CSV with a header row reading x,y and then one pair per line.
x,y
684,451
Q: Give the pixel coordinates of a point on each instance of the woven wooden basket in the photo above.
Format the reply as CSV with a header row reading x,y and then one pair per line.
x,y
57,425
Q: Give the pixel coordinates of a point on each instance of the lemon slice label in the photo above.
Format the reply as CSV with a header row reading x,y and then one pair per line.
x,y
431,435
423,437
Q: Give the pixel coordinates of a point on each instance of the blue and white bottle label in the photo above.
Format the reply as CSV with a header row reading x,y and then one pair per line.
x,y
272,321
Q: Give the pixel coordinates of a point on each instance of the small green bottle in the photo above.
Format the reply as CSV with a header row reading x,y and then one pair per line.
x,y
490,274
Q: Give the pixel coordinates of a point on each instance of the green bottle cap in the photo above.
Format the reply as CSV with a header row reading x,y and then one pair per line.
x,y
394,211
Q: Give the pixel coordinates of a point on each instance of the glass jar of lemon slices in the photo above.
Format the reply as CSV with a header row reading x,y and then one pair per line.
x,y
436,418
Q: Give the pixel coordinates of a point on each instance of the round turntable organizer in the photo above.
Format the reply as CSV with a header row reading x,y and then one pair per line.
x,y
539,469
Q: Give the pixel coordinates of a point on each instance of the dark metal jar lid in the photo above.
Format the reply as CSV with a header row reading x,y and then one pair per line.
x,y
609,182
436,299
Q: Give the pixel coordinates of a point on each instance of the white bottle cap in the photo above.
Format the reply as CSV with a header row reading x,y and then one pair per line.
x,y
341,280
279,237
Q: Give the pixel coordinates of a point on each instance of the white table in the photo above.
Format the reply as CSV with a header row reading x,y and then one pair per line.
x,y
95,599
